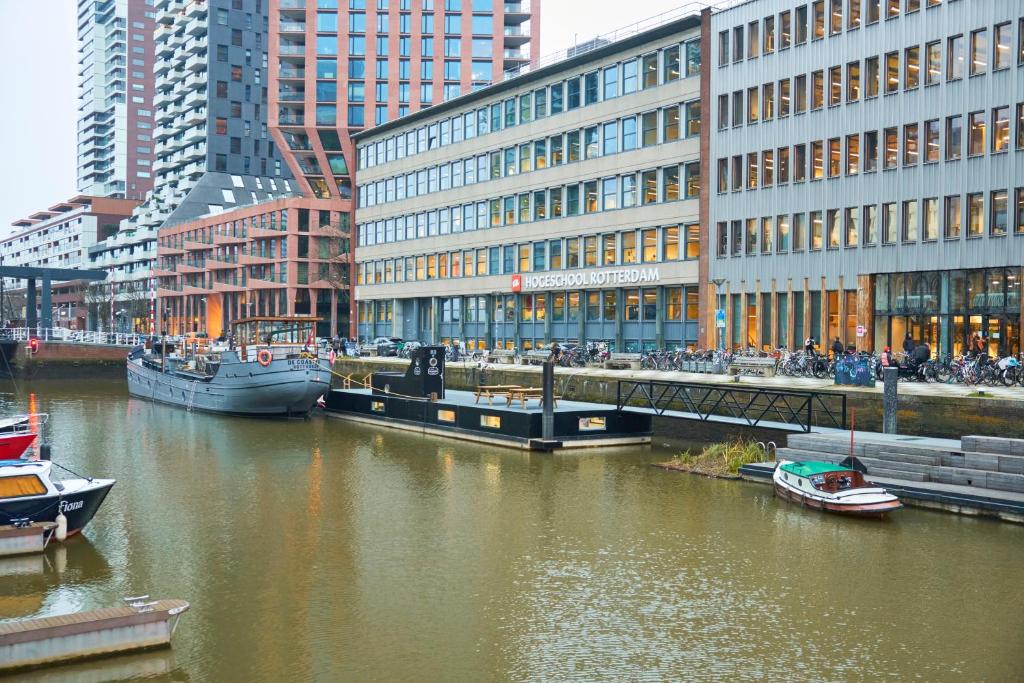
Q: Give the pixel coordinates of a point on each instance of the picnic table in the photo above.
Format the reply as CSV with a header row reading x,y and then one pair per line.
x,y
489,391
524,394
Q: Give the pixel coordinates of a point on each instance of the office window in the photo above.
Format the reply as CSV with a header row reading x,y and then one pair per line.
x,y
737,238
955,58
834,158
930,219
853,15
852,227
670,64
753,42
723,176
931,141
799,163
1000,129
649,128
952,217
889,223
753,105
870,151
767,101
892,72
816,238
835,86
782,234
751,237
723,48
800,94
752,168
799,231
910,220
1020,125
722,232
817,160
737,44
891,148
769,35
610,77
976,134
767,168
933,62
954,135
892,9
784,103
870,224
817,89
783,165
800,25
670,123
818,19
832,225
911,67
1001,56
649,68
737,108
998,214
723,112
767,233
852,154
910,144
979,51
1018,221
835,17
785,36
873,10
871,76
610,138
975,214
853,81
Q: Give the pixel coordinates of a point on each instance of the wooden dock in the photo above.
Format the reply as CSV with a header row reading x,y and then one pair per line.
x,y
31,643
23,540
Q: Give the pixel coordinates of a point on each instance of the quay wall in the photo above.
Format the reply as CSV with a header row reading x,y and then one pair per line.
x,y
55,360
920,415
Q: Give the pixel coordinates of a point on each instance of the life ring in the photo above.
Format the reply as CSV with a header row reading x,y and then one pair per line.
x,y
264,357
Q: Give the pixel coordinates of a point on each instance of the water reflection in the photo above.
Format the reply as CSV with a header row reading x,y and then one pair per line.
x,y
324,550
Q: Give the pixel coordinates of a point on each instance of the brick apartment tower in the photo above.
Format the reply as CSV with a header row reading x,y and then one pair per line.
x,y
339,66
115,81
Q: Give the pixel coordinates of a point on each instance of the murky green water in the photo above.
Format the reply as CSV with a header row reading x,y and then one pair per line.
x,y
325,551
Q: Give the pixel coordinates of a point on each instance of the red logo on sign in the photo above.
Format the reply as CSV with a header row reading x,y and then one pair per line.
x,y
517,283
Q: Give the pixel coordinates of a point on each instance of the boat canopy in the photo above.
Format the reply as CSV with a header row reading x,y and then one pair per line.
x,y
290,329
807,469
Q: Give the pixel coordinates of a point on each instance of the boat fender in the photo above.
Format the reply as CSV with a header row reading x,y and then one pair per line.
x,y
264,357
62,527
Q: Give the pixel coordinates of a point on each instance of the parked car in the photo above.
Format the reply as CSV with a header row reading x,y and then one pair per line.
x,y
386,346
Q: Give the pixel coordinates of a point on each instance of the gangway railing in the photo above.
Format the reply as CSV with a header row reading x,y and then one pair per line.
x,y
69,336
752,405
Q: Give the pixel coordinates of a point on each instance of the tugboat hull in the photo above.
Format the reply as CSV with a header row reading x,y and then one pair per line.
x,y
286,387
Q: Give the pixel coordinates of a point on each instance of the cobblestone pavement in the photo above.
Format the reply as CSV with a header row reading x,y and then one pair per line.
x,y
805,383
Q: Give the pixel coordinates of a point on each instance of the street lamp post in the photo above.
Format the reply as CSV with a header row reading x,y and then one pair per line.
x,y
718,282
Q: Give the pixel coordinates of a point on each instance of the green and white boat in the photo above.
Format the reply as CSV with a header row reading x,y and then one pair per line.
x,y
833,488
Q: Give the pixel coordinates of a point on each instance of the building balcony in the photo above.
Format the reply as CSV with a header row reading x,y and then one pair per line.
x,y
515,36
290,73
168,291
195,98
275,281
163,272
247,259
196,63
230,239
191,267
221,262
193,289
196,8
292,5
191,245
292,27
289,51
291,119
291,96
228,287
196,27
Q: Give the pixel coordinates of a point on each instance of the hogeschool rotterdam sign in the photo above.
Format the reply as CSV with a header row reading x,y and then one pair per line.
x,y
619,277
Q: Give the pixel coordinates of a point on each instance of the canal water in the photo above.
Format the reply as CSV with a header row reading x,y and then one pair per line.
x,y
325,551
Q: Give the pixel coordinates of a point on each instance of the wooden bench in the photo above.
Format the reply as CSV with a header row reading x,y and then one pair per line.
x,y
535,357
524,394
752,365
623,360
503,356
489,391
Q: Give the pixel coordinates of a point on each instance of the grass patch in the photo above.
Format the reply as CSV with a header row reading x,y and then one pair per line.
x,y
722,460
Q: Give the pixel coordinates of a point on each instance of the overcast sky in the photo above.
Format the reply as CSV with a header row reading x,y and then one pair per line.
x,y
38,78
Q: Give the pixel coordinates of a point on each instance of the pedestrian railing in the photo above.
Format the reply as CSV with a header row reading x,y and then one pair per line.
x,y
69,336
752,405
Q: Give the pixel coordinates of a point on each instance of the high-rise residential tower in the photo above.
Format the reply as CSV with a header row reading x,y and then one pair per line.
x,y
115,78
339,66
209,124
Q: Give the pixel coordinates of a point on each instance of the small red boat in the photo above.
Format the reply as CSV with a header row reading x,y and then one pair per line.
x,y
13,444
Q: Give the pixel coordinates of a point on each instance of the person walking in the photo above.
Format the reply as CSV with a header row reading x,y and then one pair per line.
x,y
908,344
809,345
837,349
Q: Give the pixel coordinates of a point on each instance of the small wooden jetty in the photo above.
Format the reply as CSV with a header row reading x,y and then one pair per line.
x,y
25,539
138,625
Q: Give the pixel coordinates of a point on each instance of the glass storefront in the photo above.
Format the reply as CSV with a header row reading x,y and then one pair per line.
x,y
946,309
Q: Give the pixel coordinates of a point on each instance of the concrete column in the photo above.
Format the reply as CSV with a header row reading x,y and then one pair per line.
x,y
790,317
549,300
866,311
581,320
659,324
890,377
46,304
31,319
806,332
775,317
727,333
822,334
489,327
758,316
945,321
842,313
744,320
435,320
620,313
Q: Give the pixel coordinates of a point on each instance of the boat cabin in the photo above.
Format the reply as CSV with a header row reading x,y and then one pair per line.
x,y
824,476
292,330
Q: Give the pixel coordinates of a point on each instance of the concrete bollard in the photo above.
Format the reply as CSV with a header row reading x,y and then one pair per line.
x,y
548,416
890,378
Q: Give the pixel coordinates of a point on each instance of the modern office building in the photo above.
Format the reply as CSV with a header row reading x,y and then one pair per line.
x,y
558,204
282,257
339,66
209,124
60,237
867,171
115,83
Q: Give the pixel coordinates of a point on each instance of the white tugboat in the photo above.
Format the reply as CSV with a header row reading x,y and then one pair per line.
x,y
832,488
269,367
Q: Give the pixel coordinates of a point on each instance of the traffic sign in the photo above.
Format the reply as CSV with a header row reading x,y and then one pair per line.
x,y
719,317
